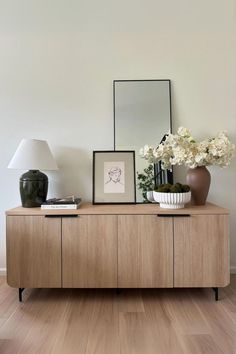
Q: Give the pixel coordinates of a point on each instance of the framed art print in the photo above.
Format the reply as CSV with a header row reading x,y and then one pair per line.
x,y
114,177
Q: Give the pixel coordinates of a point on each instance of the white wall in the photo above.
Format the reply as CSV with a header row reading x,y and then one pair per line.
x,y
57,62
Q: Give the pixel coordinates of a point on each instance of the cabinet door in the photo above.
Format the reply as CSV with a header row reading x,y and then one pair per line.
x,y
89,251
145,251
201,256
33,252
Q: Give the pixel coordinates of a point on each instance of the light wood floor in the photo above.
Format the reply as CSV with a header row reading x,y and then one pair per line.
x,y
62,321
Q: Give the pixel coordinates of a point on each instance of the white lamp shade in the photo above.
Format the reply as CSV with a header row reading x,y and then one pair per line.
x,y
33,154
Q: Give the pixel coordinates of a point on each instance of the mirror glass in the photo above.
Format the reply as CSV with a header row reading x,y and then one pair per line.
x,y
142,115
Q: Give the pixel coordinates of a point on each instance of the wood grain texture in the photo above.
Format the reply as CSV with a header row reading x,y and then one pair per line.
x,y
89,251
118,250
145,251
141,209
201,251
33,252
88,321
220,318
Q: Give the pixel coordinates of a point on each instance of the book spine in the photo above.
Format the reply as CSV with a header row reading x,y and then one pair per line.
x,y
59,206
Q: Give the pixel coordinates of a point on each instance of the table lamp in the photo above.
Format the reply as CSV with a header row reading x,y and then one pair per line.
x,y
33,155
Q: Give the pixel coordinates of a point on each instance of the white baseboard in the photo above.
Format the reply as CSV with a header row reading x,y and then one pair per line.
x,y
3,271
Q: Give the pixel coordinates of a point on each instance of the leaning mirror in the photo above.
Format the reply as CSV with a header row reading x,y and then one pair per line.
x,y
142,115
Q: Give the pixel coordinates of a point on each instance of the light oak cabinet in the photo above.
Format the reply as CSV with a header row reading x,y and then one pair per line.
x,y
124,246
89,251
201,257
33,252
145,251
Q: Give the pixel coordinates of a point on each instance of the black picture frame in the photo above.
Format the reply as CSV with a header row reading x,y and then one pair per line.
x,y
99,178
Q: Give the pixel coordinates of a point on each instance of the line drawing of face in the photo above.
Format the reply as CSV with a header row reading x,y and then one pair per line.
x,y
114,175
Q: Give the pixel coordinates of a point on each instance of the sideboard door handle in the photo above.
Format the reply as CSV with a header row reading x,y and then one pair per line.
x,y
173,215
62,216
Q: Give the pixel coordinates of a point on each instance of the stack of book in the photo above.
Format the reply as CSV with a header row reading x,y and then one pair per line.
x,y
70,203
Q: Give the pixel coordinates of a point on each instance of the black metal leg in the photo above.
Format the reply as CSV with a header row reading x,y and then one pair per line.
x,y
20,293
216,291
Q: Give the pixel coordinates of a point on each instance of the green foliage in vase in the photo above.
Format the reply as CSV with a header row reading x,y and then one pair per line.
x,y
146,181
173,188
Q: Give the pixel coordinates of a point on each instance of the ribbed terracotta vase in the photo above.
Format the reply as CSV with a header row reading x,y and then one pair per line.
x,y
199,180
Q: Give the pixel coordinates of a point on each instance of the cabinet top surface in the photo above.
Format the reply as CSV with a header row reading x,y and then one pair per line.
x,y
149,209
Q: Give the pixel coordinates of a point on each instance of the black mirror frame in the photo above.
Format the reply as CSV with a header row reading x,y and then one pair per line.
x,y
160,175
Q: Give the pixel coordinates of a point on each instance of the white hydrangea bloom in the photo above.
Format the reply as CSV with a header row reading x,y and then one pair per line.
x,y
182,149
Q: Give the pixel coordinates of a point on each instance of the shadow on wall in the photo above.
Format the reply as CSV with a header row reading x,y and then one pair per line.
x,y
74,175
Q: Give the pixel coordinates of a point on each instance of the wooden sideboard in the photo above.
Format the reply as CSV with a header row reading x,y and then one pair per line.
x,y
118,246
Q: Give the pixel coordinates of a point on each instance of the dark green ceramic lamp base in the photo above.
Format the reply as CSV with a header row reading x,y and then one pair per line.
x,y
33,188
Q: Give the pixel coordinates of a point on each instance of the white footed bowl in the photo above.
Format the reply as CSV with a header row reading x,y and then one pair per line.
x,y
150,197
172,200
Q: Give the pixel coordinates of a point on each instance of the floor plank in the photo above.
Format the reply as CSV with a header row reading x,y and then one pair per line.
x,y
201,343
165,333
149,321
73,330
222,327
104,332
